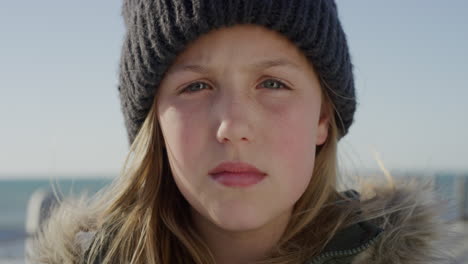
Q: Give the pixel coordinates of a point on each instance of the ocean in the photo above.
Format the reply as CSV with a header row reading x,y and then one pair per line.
x,y
15,194
14,198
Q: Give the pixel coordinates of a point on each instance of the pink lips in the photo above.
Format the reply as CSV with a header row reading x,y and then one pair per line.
x,y
236,174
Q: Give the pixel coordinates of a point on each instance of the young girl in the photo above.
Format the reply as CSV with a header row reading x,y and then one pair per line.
x,y
233,111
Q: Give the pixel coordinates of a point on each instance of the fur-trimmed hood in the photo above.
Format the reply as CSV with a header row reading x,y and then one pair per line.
x,y
406,226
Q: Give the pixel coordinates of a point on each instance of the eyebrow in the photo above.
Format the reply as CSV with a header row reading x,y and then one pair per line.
x,y
259,65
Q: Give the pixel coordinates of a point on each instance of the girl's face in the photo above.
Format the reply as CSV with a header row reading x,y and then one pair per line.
x,y
246,94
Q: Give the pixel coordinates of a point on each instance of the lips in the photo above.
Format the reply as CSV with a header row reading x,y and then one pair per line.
x,y
237,174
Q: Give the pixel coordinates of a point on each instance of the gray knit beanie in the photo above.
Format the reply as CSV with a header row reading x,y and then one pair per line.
x,y
158,30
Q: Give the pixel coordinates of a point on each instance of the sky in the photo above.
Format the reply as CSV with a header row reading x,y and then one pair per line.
x,y
60,112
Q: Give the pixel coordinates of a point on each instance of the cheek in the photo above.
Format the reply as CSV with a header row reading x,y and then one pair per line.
x,y
185,131
294,147
184,136
295,127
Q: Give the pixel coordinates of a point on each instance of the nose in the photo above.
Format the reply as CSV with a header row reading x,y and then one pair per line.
x,y
235,120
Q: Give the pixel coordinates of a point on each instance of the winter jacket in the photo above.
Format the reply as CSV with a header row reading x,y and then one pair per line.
x,y
413,232
416,233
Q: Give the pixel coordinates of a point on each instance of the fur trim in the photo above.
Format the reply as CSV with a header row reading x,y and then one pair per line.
x,y
59,241
409,212
411,215
84,239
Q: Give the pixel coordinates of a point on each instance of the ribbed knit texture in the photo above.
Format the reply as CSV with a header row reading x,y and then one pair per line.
x,y
158,30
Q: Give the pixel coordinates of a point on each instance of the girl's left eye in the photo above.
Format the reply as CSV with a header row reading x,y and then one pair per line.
x,y
274,84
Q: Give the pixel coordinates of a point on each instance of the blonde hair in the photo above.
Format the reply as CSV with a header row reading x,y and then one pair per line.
x,y
141,217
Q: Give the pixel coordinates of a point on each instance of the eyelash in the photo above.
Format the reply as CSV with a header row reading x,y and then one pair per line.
x,y
282,84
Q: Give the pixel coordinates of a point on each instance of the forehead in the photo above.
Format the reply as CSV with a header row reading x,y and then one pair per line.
x,y
242,43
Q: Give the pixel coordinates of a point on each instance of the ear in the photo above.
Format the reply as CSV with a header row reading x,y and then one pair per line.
x,y
323,125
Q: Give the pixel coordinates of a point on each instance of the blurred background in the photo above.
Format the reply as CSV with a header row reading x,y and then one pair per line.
x,y
61,120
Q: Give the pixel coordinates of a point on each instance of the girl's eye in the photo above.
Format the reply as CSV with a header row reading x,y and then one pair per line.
x,y
269,84
273,84
194,87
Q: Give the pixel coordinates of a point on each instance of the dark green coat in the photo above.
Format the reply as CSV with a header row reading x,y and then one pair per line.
x,y
348,243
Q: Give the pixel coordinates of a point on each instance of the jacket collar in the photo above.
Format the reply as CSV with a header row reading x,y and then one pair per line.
x,y
404,225
353,237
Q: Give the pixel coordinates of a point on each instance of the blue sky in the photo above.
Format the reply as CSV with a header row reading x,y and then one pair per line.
x,y
60,113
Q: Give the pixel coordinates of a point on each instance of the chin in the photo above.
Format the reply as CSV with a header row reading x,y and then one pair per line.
x,y
241,220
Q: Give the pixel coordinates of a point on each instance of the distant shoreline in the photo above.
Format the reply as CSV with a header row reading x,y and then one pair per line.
x,y
10,235
40,177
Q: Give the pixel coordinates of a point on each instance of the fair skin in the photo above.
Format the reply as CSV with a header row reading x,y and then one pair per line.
x,y
248,95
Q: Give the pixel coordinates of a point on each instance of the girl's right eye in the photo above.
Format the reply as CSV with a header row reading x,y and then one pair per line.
x,y
194,87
